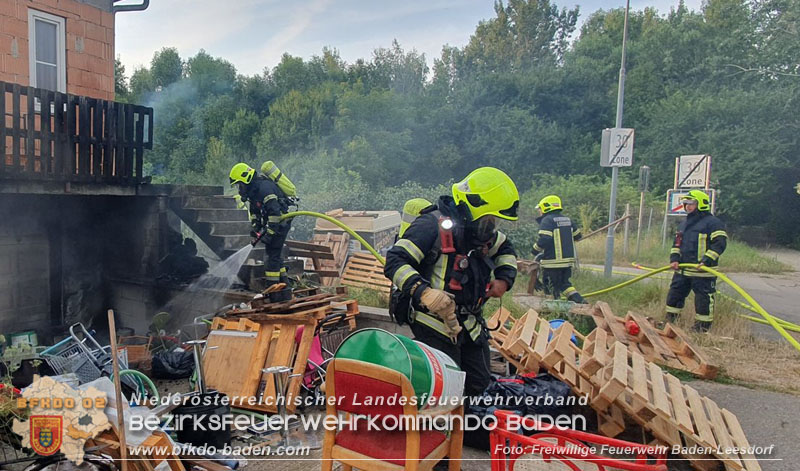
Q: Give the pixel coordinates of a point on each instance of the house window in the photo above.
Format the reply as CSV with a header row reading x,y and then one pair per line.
x,y
47,49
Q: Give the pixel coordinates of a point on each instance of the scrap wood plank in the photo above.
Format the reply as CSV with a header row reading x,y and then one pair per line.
x,y
604,310
681,412
647,330
720,430
737,435
688,351
258,306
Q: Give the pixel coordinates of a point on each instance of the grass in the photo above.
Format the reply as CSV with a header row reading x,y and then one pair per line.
x,y
738,256
368,297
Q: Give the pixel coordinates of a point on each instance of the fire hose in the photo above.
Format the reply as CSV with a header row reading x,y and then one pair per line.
x,y
779,325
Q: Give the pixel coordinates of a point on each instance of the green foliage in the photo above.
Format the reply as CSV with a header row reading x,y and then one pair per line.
x,y
519,96
120,82
738,257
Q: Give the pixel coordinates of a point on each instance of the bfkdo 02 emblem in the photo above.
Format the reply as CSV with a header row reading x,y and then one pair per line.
x,y
46,433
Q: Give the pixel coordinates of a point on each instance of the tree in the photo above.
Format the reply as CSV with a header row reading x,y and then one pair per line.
x,y
166,67
210,75
120,82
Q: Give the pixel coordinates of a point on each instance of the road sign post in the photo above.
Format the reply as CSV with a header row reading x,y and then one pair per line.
x,y
612,203
644,181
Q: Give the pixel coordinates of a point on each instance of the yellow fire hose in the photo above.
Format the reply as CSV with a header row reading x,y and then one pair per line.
x,y
777,324
786,324
339,224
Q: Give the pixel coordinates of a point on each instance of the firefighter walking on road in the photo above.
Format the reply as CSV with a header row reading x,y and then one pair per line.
x,y
556,248
700,240
267,204
450,259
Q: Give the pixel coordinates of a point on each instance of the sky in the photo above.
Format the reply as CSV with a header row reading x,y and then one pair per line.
x,y
254,34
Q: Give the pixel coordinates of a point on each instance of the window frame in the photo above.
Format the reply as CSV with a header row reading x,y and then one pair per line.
x,y
61,47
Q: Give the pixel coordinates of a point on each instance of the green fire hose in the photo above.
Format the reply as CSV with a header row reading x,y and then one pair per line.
x,y
777,324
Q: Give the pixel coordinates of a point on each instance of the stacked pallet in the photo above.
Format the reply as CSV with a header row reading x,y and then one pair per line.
x,y
247,341
339,245
364,271
620,382
668,346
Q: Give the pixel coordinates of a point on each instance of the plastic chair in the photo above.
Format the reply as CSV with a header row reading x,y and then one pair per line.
x,y
350,381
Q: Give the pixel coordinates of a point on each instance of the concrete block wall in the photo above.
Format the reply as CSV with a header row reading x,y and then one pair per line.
x,y
89,43
24,270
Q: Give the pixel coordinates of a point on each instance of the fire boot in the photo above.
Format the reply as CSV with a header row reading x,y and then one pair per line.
x,y
701,326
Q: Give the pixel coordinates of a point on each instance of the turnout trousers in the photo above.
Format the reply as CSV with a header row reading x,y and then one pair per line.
x,y
557,282
471,356
704,288
274,271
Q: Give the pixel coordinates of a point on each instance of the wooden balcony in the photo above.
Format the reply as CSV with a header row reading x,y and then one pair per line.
x,y
58,137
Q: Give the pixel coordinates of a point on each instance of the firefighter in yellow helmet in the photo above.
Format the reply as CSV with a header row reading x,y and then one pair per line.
x,y
555,248
450,260
700,239
267,204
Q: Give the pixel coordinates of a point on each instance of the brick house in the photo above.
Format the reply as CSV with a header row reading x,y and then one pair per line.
x,y
60,45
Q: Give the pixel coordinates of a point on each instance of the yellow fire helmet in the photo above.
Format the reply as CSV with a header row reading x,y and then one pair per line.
x,y
703,201
242,173
549,203
488,190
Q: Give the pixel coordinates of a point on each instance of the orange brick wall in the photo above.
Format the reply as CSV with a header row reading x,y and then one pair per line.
x,y
89,44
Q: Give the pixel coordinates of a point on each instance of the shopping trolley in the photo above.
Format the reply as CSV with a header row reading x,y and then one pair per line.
x,y
81,354
552,448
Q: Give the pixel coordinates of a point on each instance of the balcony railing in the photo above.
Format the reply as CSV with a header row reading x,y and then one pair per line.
x,y
48,135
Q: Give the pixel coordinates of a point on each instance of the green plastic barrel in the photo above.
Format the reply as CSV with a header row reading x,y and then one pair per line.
x,y
432,373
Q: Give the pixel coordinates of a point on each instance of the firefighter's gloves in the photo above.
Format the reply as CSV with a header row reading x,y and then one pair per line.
x,y
497,288
442,304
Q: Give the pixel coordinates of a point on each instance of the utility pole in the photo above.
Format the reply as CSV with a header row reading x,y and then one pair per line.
x,y
612,204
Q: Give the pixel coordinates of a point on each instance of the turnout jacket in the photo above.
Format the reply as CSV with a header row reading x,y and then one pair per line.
x,y
267,203
417,261
556,235
701,238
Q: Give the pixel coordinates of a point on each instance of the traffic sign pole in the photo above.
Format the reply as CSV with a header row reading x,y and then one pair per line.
x,y
612,203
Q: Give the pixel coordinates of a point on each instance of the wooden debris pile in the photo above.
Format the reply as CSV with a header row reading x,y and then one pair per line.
x,y
668,346
620,382
268,334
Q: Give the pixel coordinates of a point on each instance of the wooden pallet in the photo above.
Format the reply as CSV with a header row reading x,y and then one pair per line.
x,y
363,271
620,382
668,346
339,244
314,255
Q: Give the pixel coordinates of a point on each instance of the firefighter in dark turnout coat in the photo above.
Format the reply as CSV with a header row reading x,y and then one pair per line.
x,y
700,240
267,204
556,245
450,260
